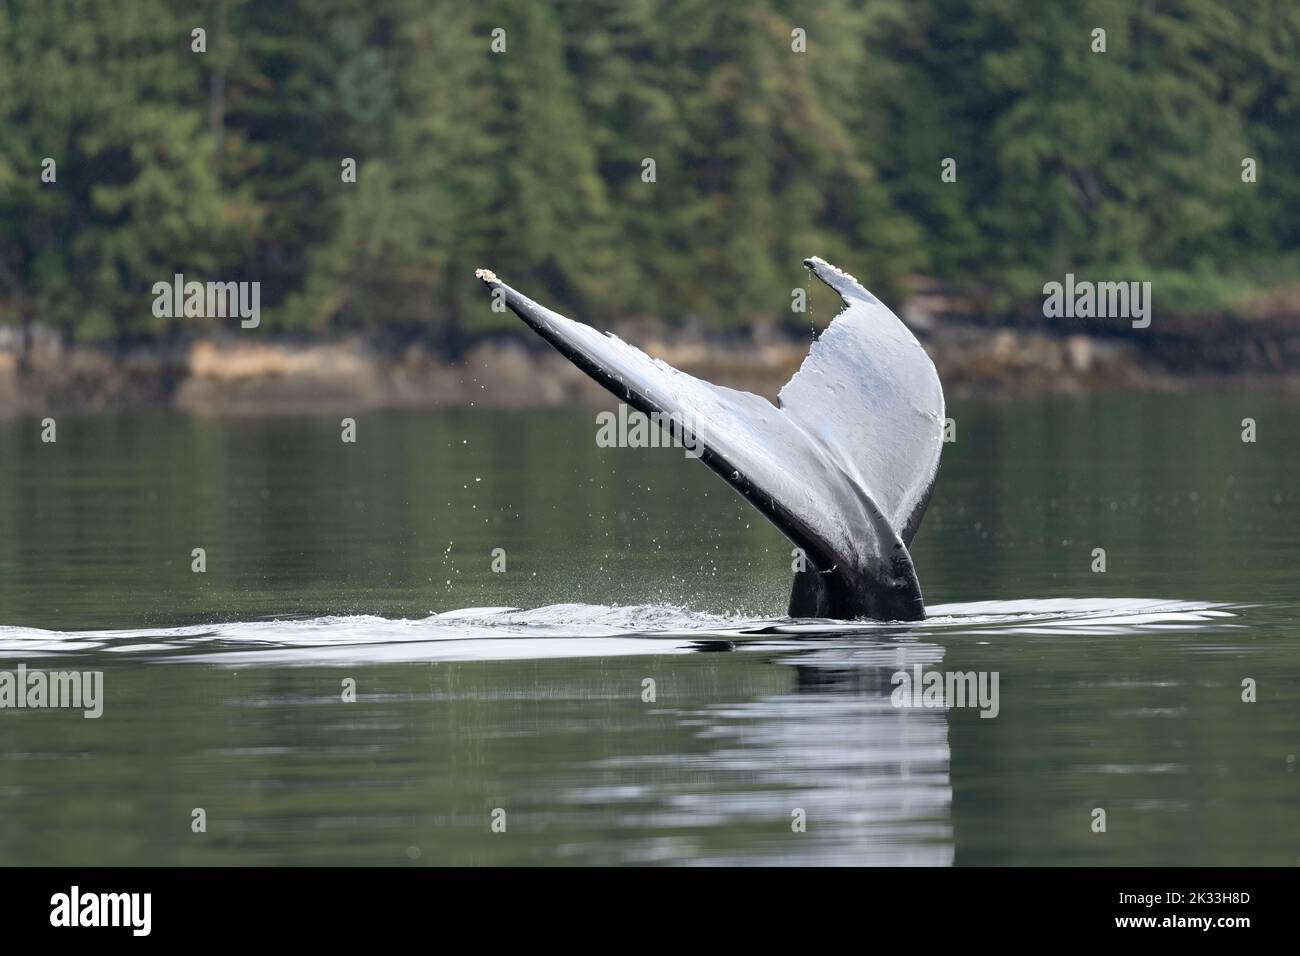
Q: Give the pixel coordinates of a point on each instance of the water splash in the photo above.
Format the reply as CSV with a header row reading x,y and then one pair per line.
x,y
590,630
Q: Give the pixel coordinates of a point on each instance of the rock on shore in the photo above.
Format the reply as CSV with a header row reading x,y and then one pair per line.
x,y
269,376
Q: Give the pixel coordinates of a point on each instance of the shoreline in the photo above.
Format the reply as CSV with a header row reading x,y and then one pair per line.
x,y
230,375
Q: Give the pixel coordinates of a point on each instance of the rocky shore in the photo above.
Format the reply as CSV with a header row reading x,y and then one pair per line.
x,y
267,376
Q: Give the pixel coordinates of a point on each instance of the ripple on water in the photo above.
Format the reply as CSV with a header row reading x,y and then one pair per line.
x,y
596,630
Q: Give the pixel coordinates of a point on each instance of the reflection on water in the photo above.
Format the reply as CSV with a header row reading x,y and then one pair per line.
x,y
370,564
867,782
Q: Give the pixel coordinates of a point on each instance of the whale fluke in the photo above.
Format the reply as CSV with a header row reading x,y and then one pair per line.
x,y
843,463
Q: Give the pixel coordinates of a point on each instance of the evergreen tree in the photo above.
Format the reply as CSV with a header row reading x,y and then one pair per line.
x,y
103,91
228,164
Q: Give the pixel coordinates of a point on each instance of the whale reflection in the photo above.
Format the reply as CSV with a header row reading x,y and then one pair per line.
x,y
869,780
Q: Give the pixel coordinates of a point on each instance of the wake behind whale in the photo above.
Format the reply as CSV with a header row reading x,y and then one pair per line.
x,y
843,465
571,631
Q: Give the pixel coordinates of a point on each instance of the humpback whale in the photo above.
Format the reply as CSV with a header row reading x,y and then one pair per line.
x,y
843,464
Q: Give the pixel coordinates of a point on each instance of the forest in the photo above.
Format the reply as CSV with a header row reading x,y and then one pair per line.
x,y
634,158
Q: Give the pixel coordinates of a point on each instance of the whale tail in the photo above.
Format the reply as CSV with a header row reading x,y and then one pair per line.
x,y
843,463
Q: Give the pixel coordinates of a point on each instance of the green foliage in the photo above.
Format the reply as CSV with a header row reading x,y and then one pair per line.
x,y
106,92
227,164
